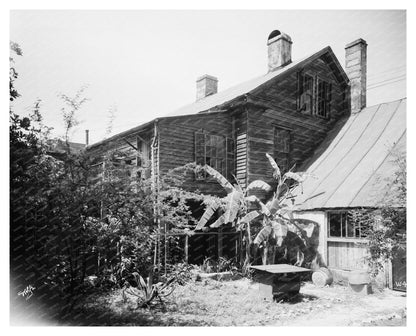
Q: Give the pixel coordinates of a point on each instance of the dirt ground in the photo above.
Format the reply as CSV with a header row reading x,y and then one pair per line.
x,y
237,303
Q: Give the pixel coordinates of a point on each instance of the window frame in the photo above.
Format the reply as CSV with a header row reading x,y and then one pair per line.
x,y
228,157
345,227
301,100
315,97
285,150
325,100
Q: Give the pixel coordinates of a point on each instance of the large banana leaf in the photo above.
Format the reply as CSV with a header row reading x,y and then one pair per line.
x,y
263,235
220,178
287,213
252,199
259,184
255,199
250,216
208,214
279,228
276,172
295,176
273,205
235,199
219,221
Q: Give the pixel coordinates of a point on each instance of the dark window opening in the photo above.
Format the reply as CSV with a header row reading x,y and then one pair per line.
x,y
341,225
314,95
323,99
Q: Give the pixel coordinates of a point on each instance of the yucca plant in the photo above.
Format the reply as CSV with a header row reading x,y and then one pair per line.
x,y
146,291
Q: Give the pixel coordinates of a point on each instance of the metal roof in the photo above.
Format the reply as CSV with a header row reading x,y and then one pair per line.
x,y
214,101
352,166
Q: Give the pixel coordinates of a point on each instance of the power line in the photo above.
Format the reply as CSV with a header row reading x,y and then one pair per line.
x,y
386,80
395,74
387,71
376,86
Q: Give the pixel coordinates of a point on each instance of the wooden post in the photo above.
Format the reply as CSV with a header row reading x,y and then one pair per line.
x,y
186,248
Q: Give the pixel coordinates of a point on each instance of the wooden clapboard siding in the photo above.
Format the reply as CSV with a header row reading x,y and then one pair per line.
x,y
346,255
119,144
177,144
275,106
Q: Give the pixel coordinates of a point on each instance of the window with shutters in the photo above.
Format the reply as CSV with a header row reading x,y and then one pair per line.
x,y
282,148
215,151
314,95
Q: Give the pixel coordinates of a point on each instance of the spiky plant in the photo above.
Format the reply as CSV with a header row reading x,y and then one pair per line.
x,y
147,291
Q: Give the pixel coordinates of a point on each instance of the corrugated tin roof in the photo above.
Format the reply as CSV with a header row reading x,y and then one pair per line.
x,y
351,167
215,100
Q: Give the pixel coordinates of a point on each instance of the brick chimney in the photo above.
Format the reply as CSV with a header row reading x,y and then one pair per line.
x,y
206,85
356,69
279,50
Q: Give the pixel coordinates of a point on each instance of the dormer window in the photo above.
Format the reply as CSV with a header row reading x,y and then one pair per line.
x,y
323,99
314,95
305,99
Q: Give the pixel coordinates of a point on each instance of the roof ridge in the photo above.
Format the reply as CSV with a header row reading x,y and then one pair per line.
x,y
257,81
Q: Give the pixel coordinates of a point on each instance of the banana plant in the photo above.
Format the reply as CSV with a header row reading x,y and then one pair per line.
x,y
276,206
233,205
277,213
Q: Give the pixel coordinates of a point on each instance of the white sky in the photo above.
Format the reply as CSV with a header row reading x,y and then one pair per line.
x,y
146,62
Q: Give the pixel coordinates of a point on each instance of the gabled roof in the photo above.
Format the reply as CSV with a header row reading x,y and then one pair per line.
x,y
213,102
352,167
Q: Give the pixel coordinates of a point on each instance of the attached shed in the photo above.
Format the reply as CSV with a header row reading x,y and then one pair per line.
x,y
351,170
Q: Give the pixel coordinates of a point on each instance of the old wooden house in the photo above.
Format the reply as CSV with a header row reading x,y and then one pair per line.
x,y
310,112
